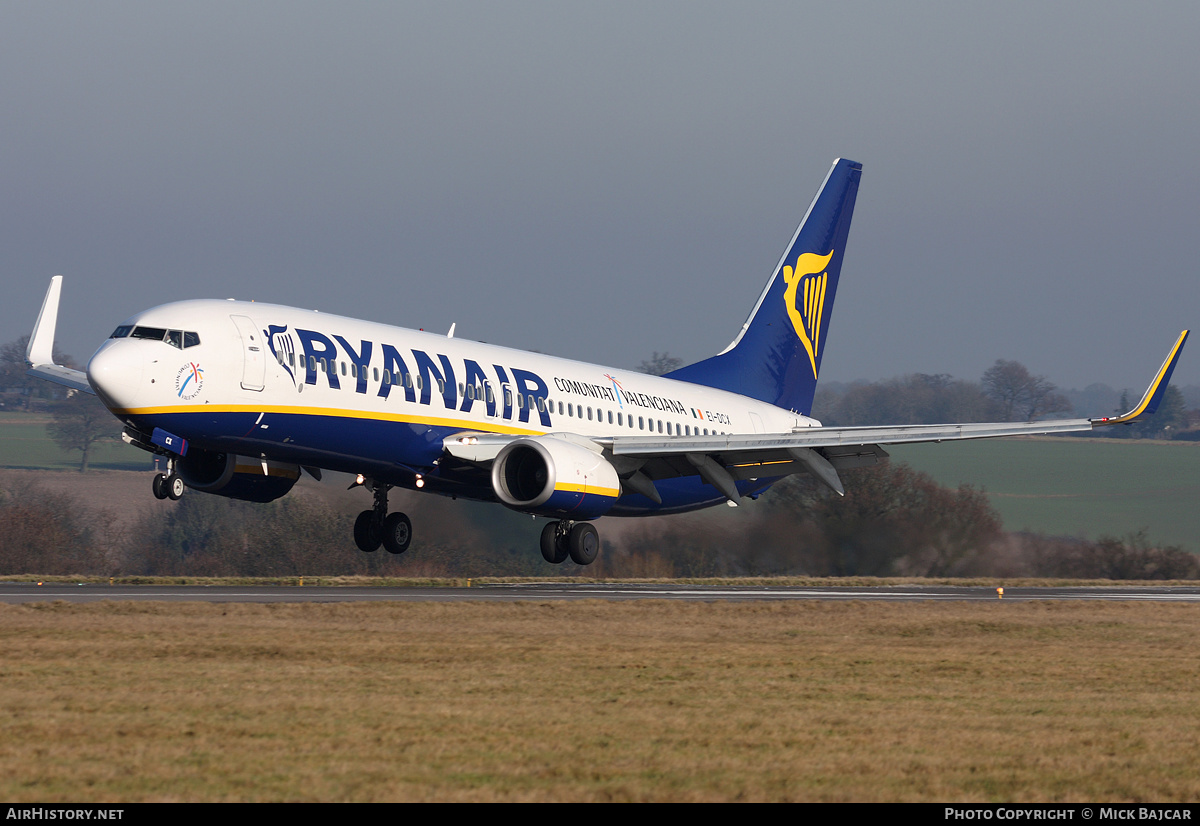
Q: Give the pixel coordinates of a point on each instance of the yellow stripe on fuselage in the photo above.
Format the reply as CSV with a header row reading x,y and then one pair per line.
x,y
334,413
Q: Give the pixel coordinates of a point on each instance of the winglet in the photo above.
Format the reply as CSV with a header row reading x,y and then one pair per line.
x,y
41,342
1154,393
40,352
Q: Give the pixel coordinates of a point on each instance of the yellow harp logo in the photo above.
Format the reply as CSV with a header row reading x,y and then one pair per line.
x,y
806,313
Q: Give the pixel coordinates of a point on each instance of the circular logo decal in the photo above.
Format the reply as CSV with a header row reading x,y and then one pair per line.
x,y
189,381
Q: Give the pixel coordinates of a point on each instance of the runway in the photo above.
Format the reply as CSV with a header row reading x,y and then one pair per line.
x,y
18,592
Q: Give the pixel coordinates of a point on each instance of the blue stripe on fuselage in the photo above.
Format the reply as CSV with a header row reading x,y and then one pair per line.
x,y
397,448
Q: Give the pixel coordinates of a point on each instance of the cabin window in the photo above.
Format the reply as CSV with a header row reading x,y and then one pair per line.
x,y
312,363
122,331
641,423
375,373
175,339
387,376
660,425
541,405
560,408
507,397
589,414
191,339
324,366
442,386
619,419
354,369
279,358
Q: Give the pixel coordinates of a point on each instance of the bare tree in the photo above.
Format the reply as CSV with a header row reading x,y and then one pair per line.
x,y
1022,396
13,371
79,423
660,364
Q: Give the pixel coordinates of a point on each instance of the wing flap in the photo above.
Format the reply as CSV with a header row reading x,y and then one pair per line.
x,y
734,448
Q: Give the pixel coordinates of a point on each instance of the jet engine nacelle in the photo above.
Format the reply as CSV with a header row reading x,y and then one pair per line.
x,y
238,477
554,477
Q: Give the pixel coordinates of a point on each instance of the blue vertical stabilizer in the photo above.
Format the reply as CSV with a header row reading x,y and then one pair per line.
x,y
776,356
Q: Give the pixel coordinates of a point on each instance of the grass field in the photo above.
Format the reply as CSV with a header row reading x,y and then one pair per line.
x,y
1077,487
24,444
623,701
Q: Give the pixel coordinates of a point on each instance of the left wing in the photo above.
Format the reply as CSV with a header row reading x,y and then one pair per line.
x,y
721,460
40,352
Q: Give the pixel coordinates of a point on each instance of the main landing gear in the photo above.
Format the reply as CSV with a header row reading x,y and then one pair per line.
x,y
578,540
377,526
167,485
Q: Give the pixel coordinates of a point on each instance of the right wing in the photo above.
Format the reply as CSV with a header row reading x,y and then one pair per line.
x,y
722,460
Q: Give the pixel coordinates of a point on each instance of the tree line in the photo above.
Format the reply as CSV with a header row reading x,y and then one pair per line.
x,y
893,521
1007,392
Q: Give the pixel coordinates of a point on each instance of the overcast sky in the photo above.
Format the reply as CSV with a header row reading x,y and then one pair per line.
x,y
604,180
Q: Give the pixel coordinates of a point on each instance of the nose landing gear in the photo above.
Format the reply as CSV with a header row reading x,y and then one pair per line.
x,y
167,485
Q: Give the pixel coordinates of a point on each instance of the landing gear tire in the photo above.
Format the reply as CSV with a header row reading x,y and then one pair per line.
x,y
397,533
173,485
554,550
583,543
366,532
159,486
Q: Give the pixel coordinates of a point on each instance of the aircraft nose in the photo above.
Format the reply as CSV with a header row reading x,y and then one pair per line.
x,y
115,373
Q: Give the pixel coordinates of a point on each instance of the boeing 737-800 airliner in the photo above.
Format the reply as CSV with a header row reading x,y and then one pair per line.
x,y
240,397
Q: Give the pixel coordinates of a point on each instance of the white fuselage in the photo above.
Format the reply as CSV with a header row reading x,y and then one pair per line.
x,y
327,391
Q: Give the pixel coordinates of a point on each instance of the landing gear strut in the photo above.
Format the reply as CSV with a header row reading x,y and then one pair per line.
x,y
578,540
169,484
375,527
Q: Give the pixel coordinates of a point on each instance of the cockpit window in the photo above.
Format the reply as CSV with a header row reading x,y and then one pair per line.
x,y
154,333
122,331
179,339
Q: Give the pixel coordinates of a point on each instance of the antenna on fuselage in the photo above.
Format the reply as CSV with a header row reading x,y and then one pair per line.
x,y
451,333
